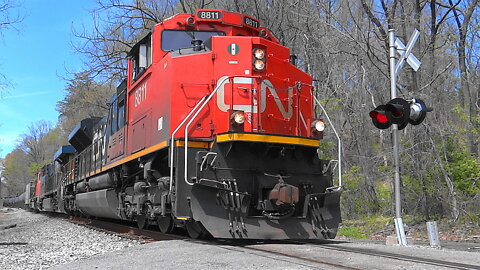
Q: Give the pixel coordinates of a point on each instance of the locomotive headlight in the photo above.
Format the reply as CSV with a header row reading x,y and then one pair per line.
x,y
259,65
317,128
258,59
237,120
318,125
259,53
239,117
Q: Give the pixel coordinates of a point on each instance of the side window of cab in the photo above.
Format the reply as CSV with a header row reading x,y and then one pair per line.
x,y
117,109
141,57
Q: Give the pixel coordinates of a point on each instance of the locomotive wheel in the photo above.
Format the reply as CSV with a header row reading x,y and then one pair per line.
x,y
142,218
142,221
195,229
165,224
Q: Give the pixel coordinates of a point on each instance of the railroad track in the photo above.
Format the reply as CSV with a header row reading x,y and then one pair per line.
x,y
123,230
314,263
146,236
401,257
288,250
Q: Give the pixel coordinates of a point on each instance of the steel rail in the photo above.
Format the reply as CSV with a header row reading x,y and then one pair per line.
x,y
263,246
389,255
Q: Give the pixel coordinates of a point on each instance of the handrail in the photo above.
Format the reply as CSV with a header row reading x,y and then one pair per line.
x,y
339,143
219,84
173,134
201,103
87,162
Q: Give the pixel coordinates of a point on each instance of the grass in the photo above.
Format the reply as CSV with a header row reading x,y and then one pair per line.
x,y
352,232
373,226
364,227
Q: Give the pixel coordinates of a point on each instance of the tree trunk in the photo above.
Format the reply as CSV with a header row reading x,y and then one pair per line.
x,y
468,102
451,192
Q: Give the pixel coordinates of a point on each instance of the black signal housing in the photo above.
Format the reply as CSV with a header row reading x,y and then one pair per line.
x,y
401,112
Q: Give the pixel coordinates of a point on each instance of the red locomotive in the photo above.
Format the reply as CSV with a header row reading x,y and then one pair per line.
x,y
213,130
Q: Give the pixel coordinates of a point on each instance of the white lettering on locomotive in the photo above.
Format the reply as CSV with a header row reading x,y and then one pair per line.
x,y
248,108
209,15
140,94
288,112
98,143
251,22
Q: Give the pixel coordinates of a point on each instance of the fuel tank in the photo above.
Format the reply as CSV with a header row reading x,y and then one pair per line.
x,y
100,203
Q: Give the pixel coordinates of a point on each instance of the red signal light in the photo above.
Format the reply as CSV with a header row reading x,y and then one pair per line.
x,y
379,117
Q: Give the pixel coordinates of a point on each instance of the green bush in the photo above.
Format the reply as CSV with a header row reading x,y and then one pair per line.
x,y
352,232
463,168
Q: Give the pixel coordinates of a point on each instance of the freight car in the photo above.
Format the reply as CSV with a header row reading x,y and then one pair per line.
x,y
213,130
15,202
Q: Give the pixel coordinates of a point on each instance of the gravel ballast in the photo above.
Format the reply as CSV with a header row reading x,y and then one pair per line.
x,y
36,241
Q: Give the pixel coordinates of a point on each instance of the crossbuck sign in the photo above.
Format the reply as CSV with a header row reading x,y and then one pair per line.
x,y
406,53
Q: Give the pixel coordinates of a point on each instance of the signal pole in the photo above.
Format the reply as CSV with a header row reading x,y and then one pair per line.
x,y
395,67
398,113
399,229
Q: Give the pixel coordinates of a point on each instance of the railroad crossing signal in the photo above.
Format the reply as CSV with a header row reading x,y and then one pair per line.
x,y
406,53
401,112
396,111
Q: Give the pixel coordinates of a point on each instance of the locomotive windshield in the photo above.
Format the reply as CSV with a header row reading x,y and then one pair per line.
x,y
175,39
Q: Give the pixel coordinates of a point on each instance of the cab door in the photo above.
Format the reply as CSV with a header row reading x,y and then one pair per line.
x,y
116,127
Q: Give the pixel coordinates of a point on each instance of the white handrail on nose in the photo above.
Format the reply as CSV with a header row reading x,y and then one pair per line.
x,y
339,143
219,84
195,110
173,134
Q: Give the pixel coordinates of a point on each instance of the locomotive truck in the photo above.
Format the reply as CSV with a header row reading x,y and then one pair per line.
x,y
213,130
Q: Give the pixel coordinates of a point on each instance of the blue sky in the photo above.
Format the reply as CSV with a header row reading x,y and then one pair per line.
x,y
34,60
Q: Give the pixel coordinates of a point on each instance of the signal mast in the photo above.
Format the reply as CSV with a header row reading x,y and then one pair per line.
x,y
398,112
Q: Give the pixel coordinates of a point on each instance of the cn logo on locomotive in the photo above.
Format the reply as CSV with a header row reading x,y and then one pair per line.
x,y
286,111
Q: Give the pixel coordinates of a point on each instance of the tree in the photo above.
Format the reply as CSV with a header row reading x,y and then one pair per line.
x,y
8,20
469,94
15,174
84,98
118,25
35,150
2,168
32,144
